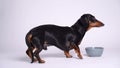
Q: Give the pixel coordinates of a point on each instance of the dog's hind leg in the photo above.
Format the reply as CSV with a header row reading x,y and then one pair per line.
x,y
32,55
36,54
30,49
38,48
28,52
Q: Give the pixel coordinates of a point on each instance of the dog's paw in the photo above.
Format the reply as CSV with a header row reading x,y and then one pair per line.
x,y
41,61
35,60
69,56
80,56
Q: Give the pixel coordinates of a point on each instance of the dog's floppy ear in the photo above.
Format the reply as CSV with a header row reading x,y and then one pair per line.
x,y
84,20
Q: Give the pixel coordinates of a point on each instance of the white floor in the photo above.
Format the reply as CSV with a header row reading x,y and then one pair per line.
x,y
56,59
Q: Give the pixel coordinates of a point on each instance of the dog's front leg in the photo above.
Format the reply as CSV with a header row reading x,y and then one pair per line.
x,y
77,50
67,54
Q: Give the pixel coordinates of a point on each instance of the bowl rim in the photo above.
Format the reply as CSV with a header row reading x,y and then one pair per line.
x,y
94,47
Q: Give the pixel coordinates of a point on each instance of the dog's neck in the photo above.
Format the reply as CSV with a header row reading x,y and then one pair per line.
x,y
79,31
79,27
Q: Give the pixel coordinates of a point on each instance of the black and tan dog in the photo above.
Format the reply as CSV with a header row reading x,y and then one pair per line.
x,y
65,38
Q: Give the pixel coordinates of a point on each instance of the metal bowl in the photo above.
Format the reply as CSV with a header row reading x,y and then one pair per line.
x,y
94,51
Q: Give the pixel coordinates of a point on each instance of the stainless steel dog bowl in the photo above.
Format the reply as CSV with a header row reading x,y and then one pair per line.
x,y
94,51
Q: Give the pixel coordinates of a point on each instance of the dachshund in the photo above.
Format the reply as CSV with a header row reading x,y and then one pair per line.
x,y
64,38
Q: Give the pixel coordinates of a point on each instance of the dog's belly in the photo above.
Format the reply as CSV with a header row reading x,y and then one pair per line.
x,y
61,43
62,47
54,42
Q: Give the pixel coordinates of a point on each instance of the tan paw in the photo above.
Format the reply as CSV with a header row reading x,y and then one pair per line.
x,y
69,56
80,56
42,61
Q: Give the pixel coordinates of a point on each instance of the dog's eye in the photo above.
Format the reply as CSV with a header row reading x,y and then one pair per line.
x,y
93,19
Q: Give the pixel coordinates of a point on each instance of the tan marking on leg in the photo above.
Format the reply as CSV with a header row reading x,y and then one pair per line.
x,y
77,50
67,54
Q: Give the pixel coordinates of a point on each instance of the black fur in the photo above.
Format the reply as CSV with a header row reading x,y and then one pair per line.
x,y
65,38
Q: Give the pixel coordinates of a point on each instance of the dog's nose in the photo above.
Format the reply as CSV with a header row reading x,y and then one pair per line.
x,y
102,24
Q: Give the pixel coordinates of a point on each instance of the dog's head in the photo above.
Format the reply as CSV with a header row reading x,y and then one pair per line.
x,y
90,21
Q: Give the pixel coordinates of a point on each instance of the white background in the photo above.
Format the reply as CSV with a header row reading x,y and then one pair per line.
x,y
17,17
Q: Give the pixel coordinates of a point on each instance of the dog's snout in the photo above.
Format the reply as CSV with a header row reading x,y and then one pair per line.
x,y
101,24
